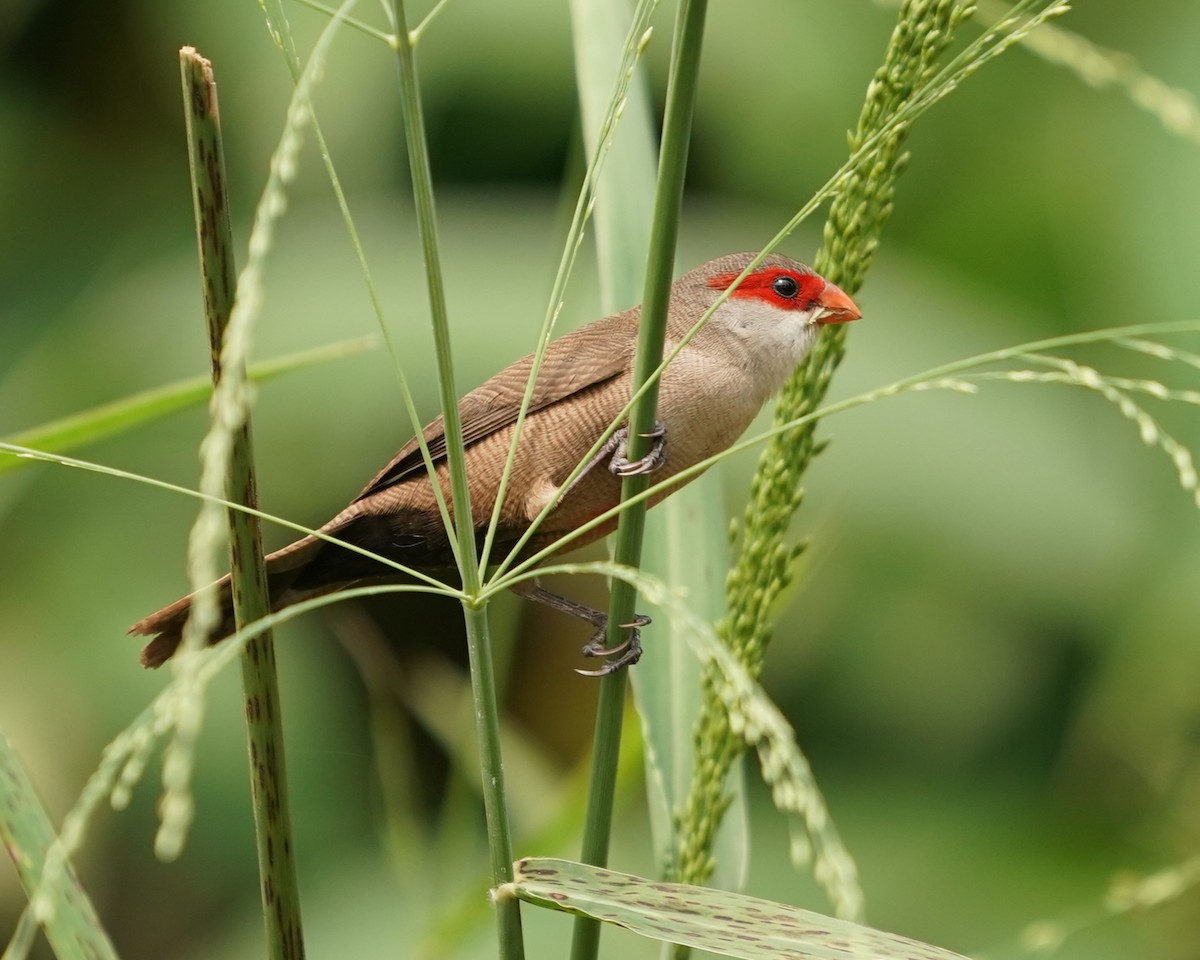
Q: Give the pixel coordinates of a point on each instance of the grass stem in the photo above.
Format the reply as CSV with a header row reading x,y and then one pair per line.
x,y
677,125
276,860
478,641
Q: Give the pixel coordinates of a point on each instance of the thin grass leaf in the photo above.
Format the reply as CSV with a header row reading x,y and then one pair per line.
x,y
60,904
1160,351
648,357
111,419
415,34
360,25
759,724
460,525
28,453
631,53
280,28
608,40
687,546
21,944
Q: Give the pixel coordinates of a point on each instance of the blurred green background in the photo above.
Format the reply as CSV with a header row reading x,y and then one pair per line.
x,y
991,658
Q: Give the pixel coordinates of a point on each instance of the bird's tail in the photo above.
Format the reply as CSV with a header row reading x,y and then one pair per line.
x,y
284,566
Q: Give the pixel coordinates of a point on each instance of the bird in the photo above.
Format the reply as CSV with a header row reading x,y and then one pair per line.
x,y
708,395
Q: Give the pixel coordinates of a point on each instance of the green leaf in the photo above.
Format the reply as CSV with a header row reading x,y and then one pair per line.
x,y
110,419
66,913
685,541
730,924
687,547
625,188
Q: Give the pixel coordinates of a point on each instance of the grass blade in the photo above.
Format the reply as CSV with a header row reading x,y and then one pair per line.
x,y
61,905
685,543
611,115
624,194
687,546
677,125
730,924
111,419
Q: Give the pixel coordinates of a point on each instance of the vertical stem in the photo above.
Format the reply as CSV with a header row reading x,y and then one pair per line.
x,y
672,166
483,690
272,821
508,917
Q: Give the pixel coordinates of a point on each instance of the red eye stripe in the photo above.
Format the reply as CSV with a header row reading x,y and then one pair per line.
x,y
758,286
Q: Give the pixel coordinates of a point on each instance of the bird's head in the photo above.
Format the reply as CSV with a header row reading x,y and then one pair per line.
x,y
782,286
775,313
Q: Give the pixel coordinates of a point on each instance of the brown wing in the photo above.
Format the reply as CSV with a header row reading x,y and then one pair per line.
x,y
590,355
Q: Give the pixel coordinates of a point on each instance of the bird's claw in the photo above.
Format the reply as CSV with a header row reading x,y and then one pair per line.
x,y
596,648
619,466
630,650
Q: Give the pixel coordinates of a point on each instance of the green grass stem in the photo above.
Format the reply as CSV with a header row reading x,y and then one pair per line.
x,y
677,126
231,401
352,22
260,684
508,915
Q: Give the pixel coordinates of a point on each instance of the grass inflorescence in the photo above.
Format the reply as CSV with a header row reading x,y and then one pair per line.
x,y
764,564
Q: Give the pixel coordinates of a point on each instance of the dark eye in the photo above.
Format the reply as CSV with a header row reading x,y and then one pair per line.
x,y
786,287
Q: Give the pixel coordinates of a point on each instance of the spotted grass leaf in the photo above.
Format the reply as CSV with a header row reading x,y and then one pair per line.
x,y
730,924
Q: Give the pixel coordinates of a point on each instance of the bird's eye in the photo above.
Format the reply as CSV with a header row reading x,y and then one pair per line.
x,y
786,287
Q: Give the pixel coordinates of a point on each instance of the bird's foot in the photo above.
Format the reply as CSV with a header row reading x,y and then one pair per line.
x,y
619,466
627,653
630,650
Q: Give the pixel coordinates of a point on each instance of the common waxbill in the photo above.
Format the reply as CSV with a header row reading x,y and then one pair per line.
x,y
707,397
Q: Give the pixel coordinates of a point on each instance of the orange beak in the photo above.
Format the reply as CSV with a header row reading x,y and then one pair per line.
x,y
836,306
